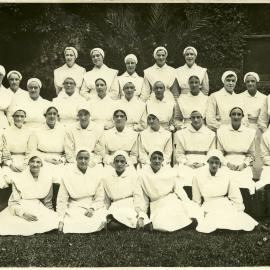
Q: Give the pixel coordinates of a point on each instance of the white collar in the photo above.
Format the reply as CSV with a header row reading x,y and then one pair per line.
x,y
133,75
192,67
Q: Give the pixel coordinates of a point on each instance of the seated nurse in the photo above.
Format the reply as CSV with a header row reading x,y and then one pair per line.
x,y
80,200
30,208
220,198
123,195
170,207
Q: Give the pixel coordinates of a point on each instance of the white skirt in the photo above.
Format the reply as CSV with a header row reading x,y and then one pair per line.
x,y
243,179
75,220
221,213
18,161
188,173
264,179
124,212
169,214
3,120
15,225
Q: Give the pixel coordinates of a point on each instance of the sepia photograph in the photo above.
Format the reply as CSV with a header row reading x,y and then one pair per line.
x,y
134,134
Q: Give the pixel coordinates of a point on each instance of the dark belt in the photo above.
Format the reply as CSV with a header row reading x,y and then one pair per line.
x,y
195,152
50,152
235,153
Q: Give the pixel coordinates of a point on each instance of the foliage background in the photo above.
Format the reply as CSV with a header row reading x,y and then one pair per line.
x,y
33,36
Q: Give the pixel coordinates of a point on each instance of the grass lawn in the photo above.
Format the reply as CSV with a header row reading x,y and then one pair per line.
x,y
132,248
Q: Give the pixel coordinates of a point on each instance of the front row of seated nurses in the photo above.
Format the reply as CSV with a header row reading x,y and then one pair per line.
x,y
119,197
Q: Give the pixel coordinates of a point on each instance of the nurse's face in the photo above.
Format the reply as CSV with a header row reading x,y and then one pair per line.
x,y
236,116
84,118
159,90
51,116
194,85
119,164
196,120
18,118
190,57
35,164
214,165
69,86
161,57
129,90
119,119
33,90
251,83
230,83
156,161
153,122
130,66
70,58
83,159
97,58
14,81
101,88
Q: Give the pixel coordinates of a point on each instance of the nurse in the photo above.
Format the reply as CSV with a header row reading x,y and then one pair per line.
x,y
191,68
237,143
48,141
134,107
14,79
85,134
130,75
80,200
160,71
15,141
192,146
220,199
162,106
154,137
100,70
5,100
68,102
121,138
69,69
34,104
30,208
253,101
265,155
102,106
194,100
124,195
170,207
220,103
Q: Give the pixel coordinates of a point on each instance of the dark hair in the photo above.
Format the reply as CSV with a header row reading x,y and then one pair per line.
x,y
119,110
151,114
101,80
157,152
237,108
195,112
33,158
51,107
22,110
83,150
